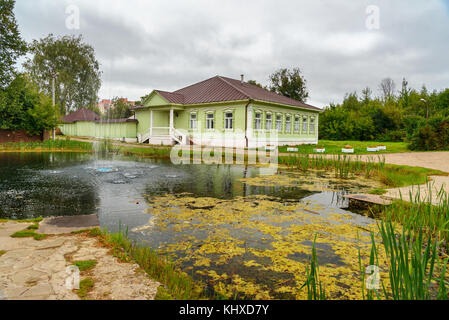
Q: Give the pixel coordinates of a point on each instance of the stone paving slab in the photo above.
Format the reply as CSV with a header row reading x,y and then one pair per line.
x,y
67,224
37,270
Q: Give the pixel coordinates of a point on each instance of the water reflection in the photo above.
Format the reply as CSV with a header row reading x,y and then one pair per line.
x,y
117,187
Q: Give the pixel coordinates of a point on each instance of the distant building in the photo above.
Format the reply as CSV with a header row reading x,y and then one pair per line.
x,y
106,104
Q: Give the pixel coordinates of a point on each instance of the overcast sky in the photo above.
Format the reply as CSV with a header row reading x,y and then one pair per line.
x,y
146,45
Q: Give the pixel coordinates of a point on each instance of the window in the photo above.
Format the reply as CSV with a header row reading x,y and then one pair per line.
x,y
268,122
279,122
193,121
312,125
297,124
210,121
229,119
304,125
258,121
288,124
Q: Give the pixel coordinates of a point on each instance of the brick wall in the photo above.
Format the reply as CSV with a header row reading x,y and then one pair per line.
x,y
21,136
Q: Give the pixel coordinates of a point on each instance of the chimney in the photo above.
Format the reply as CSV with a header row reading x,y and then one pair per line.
x,y
242,78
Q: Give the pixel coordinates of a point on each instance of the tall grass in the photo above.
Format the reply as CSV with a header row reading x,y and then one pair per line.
x,y
153,152
346,167
413,260
48,145
315,289
421,213
175,283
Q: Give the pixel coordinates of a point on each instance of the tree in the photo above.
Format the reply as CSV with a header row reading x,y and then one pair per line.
x,y
11,44
366,95
120,109
23,107
387,88
78,72
255,83
289,83
404,94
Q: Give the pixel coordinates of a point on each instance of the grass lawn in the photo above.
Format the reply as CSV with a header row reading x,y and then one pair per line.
x,y
334,147
48,145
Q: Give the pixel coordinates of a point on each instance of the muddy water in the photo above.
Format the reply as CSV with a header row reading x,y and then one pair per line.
x,y
242,234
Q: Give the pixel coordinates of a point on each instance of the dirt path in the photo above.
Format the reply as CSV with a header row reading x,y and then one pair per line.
x,y
430,160
38,270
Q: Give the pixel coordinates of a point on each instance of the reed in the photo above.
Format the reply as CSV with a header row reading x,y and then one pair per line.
x,y
175,283
315,289
347,167
415,269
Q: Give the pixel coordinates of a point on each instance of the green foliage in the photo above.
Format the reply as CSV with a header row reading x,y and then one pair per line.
x,y
86,285
23,107
255,83
11,44
431,135
78,72
28,234
48,145
315,289
177,284
412,265
289,83
85,265
418,117
120,110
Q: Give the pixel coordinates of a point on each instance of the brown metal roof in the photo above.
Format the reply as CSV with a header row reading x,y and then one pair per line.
x,y
219,89
171,97
82,114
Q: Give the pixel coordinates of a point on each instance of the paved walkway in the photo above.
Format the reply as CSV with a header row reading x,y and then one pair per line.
x,y
31,269
430,160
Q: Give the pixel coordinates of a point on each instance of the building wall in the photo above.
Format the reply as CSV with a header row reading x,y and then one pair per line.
x,y
285,137
236,137
100,130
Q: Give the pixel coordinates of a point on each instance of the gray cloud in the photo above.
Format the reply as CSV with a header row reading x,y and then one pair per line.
x,y
144,45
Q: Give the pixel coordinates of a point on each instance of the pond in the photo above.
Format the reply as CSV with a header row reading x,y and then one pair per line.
x,y
243,234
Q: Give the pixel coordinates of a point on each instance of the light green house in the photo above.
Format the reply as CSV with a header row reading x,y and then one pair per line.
x,y
225,112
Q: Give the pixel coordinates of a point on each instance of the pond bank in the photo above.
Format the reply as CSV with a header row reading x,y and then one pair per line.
x,y
37,270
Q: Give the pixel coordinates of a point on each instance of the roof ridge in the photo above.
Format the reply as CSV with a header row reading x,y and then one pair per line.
x,y
196,84
239,90
171,92
275,93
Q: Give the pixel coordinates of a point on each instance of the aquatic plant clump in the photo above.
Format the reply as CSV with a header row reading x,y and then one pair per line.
x,y
258,247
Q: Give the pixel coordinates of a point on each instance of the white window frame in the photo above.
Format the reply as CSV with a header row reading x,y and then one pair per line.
x,y
270,120
288,124
258,120
193,121
210,121
279,128
297,124
312,125
305,124
228,127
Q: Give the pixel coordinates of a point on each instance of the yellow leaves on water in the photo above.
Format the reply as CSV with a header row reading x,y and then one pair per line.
x,y
317,181
235,242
